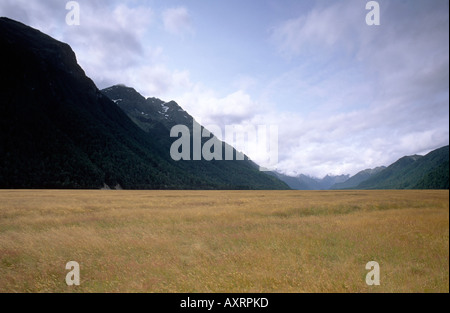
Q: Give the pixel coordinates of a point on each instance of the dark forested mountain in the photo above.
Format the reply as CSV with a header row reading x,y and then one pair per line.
x,y
157,116
413,172
57,130
437,178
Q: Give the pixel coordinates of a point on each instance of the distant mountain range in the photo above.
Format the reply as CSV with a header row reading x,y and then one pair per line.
x,y
358,178
57,130
305,182
409,172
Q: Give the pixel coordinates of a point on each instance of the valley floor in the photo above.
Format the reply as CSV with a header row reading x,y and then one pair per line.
x,y
224,241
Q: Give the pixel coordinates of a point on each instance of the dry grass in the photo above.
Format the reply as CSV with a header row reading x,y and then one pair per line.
x,y
224,241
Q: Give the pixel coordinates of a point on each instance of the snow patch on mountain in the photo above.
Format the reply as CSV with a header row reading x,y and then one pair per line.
x,y
164,107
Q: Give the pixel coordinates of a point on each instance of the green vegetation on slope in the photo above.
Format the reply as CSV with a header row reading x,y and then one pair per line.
x,y
413,172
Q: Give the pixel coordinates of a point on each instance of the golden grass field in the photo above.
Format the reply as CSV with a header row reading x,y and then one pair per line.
x,y
224,241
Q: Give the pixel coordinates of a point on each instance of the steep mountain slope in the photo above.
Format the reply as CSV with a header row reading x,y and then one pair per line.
x,y
358,178
57,130
409,172
152,113
435,179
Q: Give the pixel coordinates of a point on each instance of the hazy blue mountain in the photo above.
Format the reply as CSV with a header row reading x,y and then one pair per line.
x,y
331,180
358,178
305,182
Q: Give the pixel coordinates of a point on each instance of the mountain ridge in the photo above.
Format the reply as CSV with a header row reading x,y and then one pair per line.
x,y
57,130
305,182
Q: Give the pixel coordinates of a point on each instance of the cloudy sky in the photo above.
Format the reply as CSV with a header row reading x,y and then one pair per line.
x,y
345,96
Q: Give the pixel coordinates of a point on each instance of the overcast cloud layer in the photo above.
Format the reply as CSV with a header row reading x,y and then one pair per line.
x,y
345,96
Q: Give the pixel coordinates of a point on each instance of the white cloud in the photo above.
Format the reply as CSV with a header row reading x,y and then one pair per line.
x,y
156,80
205,105
138,19
177,21
326,26
244,82
365,96
350,96
348,142
110,43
